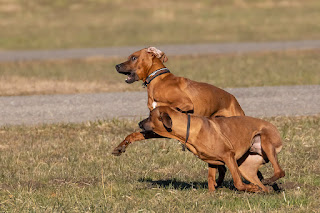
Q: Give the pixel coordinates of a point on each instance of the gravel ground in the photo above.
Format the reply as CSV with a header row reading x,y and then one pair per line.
x,y
256,101
190,49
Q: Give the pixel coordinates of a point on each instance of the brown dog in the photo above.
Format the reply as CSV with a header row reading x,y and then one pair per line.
x,y
165,89
221,140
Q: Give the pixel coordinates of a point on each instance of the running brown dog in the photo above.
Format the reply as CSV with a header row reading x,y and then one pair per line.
x,y
222,140
166,89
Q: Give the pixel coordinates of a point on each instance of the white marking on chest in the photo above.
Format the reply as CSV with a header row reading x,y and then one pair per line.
x,y
154,104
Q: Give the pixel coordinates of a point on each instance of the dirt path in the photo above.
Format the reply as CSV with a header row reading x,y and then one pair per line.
x,y
190,49
256,101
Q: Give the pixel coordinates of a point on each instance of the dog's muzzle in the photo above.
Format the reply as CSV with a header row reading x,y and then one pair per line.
x,y
118,67
131,75
141,125
144,125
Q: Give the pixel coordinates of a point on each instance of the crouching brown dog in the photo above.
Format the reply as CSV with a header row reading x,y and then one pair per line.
x,y
166,89
222,140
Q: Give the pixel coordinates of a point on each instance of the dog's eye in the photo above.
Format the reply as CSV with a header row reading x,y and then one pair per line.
x,y
133,58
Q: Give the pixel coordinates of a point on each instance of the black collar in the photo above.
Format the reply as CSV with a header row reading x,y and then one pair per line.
x,y
154,75
188,128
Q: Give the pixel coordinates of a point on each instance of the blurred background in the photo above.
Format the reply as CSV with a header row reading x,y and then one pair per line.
x,y
65,24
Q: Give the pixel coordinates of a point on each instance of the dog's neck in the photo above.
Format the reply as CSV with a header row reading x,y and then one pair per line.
x,y
155,75
156,65
180,131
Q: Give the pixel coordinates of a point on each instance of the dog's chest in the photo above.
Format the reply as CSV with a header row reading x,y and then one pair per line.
x,y
158,98
154,104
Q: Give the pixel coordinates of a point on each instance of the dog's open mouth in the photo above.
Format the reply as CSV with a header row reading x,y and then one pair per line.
x,y
131,77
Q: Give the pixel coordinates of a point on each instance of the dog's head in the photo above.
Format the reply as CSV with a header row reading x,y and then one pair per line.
x,y
159,121
138,65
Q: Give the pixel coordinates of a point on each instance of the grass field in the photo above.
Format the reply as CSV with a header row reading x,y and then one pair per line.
x,y
69,167
50,24
86,76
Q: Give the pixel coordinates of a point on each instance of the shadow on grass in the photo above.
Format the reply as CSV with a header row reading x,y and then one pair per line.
x,y
181,185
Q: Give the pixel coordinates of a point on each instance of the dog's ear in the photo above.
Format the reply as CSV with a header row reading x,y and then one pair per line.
x,y
166,120
157,53
164,58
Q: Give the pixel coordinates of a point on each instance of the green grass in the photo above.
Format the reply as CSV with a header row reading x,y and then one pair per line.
x,y
50,24
69,167
85,76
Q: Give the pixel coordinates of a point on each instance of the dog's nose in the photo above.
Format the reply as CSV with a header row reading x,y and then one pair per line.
x,y
118,66
141,125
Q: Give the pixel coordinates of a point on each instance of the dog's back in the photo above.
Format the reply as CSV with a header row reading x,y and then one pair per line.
x,y
248,127
208,100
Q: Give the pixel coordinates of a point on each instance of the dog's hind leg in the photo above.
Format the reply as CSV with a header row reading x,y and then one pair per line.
x,y
249,169
271,144
136,136
222,172
236,175
260,176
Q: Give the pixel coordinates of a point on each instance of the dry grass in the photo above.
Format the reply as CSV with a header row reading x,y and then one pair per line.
x,y
87,76
51,24
15,85
69,167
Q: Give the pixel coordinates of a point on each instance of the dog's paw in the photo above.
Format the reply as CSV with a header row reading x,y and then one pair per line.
x,y
253,188
119,150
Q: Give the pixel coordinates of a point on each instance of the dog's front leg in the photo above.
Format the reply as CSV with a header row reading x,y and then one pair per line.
x,y
212,170
135,136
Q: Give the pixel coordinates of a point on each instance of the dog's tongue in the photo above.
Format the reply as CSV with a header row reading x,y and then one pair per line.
x,y
128,80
